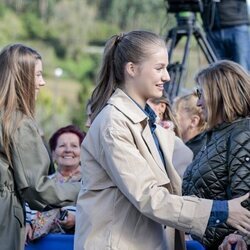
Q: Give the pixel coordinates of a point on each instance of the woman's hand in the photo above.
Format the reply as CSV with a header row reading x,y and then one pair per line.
x,y
28,232
238,216
68,222
232,239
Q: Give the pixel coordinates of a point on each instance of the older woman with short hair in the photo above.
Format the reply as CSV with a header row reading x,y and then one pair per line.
x,y
191,121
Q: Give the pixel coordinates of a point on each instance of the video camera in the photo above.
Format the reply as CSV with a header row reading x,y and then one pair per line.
x,y
176,6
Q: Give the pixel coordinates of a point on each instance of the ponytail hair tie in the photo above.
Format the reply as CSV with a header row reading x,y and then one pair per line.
x,y
119,38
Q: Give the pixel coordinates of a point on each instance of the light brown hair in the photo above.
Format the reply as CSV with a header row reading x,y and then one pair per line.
x,y
226,88
134,47
189,104
17,89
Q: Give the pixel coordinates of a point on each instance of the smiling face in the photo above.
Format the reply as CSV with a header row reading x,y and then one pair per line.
x,y
67,151
149,76
39,81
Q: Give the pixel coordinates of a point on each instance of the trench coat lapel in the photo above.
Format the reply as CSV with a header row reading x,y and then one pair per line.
x,y
149,140
128,107
167,140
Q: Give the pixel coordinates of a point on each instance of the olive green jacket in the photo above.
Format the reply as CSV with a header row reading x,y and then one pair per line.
x,y
27,181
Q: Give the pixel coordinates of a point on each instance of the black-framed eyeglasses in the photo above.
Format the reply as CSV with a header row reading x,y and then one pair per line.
x,y
198,93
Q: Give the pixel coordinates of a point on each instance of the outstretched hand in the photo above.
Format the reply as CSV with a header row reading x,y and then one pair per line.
x,y
68,222
238,216
233,239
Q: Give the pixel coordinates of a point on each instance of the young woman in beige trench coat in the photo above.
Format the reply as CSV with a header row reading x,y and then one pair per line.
x,y
24,160
130,193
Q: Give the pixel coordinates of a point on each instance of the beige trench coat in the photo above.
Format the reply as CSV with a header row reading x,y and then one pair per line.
x,y
127,198
27,180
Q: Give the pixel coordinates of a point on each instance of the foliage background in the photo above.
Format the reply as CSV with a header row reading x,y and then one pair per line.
x,y
70,34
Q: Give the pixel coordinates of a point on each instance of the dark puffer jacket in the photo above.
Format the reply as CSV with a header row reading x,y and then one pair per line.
x,y
221,171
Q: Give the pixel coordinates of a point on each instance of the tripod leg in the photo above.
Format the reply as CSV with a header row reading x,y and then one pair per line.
x,y
177,70
183,65
205,46
171,87
172,39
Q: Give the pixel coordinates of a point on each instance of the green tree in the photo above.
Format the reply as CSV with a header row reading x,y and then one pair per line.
x,y
132,14
64,32
70,24
51,112
11,27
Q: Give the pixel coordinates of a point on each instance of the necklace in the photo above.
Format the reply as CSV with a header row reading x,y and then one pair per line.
x,y
65,176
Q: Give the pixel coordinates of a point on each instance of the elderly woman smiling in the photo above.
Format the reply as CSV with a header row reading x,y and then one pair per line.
x,y
65,147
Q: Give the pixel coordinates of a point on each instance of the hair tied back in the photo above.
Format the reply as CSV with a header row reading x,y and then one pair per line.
x,y
119,38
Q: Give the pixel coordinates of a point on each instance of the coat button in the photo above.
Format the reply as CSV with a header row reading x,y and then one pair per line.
x,y
217,221
247,159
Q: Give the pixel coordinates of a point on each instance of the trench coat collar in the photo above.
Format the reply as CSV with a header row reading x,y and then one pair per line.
x,y
130,109
127,106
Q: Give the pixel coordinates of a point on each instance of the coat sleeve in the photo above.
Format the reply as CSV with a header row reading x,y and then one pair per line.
x,y
30,167
134,177
239,164
238,169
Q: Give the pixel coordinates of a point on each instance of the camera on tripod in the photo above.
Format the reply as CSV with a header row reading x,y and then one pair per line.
x,y
177,6
185,12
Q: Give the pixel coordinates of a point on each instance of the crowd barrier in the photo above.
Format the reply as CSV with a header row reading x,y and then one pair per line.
x,y
66,242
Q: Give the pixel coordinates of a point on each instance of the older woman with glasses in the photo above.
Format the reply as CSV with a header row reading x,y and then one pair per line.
x,y
221,170
191,121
